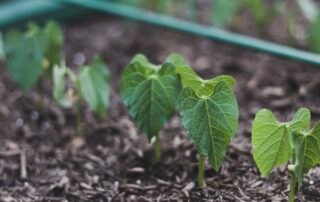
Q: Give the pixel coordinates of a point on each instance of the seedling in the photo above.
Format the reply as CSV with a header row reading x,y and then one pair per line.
x,y
91,85
275,143
31,52
209,111
149,91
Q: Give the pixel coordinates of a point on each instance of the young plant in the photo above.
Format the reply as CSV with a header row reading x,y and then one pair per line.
x,y
31,52
275,143
91,84
149,91
209,111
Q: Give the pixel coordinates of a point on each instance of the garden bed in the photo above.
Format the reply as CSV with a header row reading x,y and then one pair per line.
x,y
114,162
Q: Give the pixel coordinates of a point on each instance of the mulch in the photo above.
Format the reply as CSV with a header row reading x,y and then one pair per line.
x,y
41,159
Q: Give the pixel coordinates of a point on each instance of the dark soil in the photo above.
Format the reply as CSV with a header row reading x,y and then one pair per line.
x,y
41,159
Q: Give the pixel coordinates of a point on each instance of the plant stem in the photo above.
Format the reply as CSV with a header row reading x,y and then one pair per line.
x,y
157,150
42,102
78,115
292,187
201,166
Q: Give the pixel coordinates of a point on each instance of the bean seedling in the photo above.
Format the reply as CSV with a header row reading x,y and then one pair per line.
x,y
40,47
275,143
91,84
31,53
149,91
209,111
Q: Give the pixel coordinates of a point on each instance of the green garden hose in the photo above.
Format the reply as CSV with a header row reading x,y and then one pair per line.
x,y
41,7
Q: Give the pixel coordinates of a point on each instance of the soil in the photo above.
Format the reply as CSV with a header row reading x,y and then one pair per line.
x,y
41,159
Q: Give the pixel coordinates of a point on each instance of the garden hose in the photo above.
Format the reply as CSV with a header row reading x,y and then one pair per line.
x,y
34,8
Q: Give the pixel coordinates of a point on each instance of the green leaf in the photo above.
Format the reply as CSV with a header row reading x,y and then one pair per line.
x,y
313,39
176,60
271,139
211,121
59,74
149,91
201,87
307,152
54,36
24,55
94,85
223,12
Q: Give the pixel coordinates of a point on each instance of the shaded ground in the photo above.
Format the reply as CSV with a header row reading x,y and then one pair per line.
x,y
113,162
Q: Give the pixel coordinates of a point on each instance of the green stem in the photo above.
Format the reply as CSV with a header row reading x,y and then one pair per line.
x,y
201,166
157,149
78,115
42,99
292,187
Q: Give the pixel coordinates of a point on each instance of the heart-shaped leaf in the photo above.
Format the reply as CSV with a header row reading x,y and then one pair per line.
x,y
201,87
211,121
94,85
271,139
149,91
307,151
24,55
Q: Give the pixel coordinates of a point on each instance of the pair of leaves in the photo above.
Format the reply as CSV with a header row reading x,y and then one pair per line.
x,y
211,121
208,109
26,52
275,143
149,92
92,84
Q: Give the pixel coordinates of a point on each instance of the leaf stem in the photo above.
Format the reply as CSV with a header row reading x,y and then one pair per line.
x,y
42,99
292,187
78,114
157,149
201,166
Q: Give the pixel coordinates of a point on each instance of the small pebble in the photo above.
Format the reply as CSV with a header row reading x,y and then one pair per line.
x,y
34,115
45,125
187,153
138,182
116,184
79,58
311,182
19,122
